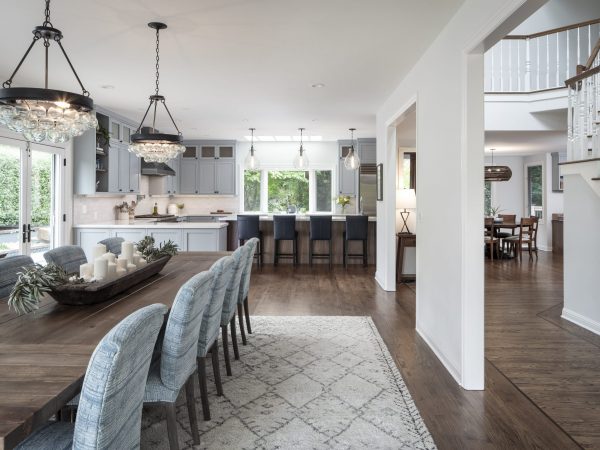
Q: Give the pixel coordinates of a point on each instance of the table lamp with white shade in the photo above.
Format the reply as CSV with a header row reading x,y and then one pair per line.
x,y
405,199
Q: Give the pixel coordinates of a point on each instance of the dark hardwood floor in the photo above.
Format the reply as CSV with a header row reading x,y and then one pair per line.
x,y
542,378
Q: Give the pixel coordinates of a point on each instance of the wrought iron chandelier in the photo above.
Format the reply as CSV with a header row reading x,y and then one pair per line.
x,y
43,113
497,173
301,159
252,160
148,143
352,161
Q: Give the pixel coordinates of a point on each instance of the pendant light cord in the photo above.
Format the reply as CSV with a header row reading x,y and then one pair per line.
x,y
301,147
47,22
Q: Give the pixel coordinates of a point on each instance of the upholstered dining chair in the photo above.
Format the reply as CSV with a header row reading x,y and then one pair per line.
x,y
110,410
230,303
113,244
9,272
177,363
242,303
69,257
209,330
490,239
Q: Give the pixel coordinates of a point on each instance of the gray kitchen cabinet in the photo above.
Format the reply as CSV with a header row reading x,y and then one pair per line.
x,y
206,177
225,177
123,183
134,172
347,179
172,181
123,170
188,168
367,151
86,238
208,168
162,235
132,235
208,240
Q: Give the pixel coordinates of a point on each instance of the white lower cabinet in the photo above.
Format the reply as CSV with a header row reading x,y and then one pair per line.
x,y
208,240
133,235
164,234
86,238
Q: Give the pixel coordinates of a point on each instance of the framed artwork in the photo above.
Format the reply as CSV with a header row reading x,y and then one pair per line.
x,y
379,182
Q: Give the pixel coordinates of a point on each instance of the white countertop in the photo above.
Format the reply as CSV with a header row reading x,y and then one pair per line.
x,y
299,217
151,223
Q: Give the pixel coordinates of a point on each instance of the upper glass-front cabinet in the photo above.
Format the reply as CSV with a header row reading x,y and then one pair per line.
x,y
208,151
225,151
189,152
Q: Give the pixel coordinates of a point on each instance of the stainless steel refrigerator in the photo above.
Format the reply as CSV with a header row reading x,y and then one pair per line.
x,y
367,190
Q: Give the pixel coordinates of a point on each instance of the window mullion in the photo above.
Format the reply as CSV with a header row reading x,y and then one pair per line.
x,y
312,191
264,190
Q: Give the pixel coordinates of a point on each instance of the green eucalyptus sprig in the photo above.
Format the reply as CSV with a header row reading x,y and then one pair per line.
x,y
33,282
151,253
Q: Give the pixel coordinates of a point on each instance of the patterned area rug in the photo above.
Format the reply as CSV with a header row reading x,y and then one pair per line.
x,y
304,383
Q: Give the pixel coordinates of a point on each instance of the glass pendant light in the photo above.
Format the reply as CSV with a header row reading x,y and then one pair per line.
x,y
252,160
301,160
148,143
352,161
42,113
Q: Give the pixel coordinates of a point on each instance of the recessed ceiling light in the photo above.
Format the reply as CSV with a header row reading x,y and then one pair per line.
x,y
318,85
107,86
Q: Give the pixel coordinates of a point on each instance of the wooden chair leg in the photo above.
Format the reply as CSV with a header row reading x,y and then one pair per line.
x,y
247,314
365,259
294,252
172,426
236,351
203,387
240,314
310,256
330,254
191,406
214,353
344,250
226,350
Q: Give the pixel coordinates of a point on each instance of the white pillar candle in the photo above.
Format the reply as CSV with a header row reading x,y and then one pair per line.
x,y
85,270
121,272
131,267
111,271
142,262
136,259
127,250
110,257
98,251
100,268
122,263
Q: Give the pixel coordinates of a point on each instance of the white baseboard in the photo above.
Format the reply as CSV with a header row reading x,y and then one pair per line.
x,y
582,321
381,283
447,364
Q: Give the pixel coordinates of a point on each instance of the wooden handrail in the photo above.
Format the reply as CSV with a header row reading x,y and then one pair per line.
x,y
553,30
590,61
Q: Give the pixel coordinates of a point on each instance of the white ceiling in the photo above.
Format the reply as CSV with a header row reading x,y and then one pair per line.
x,y
227,65
524,143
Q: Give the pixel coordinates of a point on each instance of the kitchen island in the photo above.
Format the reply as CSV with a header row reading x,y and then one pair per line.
x,y
302,226
189,236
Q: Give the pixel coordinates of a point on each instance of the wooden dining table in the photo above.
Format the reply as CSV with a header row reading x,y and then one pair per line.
x,y
495,226
44,354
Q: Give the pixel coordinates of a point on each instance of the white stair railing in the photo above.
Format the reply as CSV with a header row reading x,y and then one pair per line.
x,y
583,130
541,61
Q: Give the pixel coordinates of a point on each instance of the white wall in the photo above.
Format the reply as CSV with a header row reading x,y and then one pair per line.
x,y
559,13
508,195
581,253
450,145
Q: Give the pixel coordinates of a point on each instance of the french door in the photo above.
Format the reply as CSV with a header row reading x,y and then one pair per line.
x,y
30,194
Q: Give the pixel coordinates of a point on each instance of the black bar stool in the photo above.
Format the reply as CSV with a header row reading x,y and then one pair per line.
x,y
357,229
248,227
320,230
284,229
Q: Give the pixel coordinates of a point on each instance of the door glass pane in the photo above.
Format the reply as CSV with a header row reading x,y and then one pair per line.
x,y
41,204
10,194
534,190
189,152
226,152
252,190
115,130
207,152
324,198
288,188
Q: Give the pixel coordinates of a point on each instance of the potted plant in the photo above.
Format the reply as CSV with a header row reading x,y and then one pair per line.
x,y
343,201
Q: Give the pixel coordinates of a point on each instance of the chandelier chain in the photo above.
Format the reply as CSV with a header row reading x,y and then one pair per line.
x,y
47,22
157,59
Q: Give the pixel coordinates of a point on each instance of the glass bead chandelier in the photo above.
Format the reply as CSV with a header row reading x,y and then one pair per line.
x,y
352,161
41,114
252,160
301,159
147,143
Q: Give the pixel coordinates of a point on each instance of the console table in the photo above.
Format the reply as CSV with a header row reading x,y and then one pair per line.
x,y
405,240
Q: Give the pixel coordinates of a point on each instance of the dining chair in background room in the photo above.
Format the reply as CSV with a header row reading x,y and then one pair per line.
x,y
284,229
68,257
248,227
244,290
230,302
527,235
510,219
490,239
177,364
110,411
113,244
357,229
222,271
10,268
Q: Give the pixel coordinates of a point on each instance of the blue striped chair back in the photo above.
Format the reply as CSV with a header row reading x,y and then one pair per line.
x,y
180,344
69,257
211,321
110,409
245,280
113,244
232,292
9,272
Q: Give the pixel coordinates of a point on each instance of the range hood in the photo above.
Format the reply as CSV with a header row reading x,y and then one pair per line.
x,y
153,169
